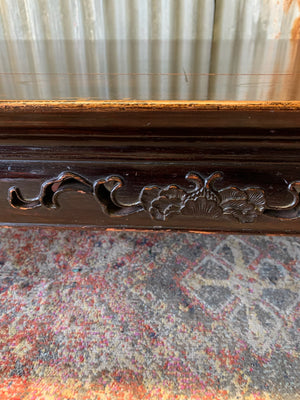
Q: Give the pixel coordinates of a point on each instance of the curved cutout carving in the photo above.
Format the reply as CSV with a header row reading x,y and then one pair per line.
x,y
203,200
291,211
102,189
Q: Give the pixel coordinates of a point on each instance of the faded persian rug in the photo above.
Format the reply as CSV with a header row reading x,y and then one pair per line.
x,y
122,315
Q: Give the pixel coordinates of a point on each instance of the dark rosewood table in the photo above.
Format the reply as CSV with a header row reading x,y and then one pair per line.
x,y
187,150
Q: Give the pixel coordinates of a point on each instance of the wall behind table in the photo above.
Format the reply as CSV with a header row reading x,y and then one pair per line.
x,y
149,49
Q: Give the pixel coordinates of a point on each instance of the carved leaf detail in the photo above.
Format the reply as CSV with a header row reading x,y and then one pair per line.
x,y
244,205
204,192
257,197
232,194
202,207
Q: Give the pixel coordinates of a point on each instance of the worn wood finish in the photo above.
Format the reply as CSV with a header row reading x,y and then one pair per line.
x,y
216,166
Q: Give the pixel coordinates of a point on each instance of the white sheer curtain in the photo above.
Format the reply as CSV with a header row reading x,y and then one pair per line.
x,y
149,49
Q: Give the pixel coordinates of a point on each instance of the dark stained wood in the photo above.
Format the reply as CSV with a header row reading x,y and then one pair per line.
x,y
149,115
216,166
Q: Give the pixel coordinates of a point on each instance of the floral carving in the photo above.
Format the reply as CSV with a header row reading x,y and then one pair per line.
x,y
244,205
202,206
201,199
161,203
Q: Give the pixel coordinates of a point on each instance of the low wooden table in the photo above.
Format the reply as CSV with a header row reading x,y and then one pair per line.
x,y
185,165
185,151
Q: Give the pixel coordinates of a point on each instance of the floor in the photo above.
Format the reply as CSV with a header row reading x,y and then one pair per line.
x,y
125,315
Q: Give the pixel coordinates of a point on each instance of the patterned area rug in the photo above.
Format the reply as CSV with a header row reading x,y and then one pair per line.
x,y
122,315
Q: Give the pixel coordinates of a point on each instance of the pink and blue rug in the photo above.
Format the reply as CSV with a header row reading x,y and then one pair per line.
x,y
123,315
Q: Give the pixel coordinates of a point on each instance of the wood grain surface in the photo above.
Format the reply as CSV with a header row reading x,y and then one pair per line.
x,y
129,165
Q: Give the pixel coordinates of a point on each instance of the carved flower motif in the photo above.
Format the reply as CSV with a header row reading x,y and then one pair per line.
x,y
244,205
202,203
161,202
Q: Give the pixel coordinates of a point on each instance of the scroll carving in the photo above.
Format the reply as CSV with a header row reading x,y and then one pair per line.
x,y
103,190
161,203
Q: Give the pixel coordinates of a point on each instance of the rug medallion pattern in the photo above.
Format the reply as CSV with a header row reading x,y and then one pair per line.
x,y
124,315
